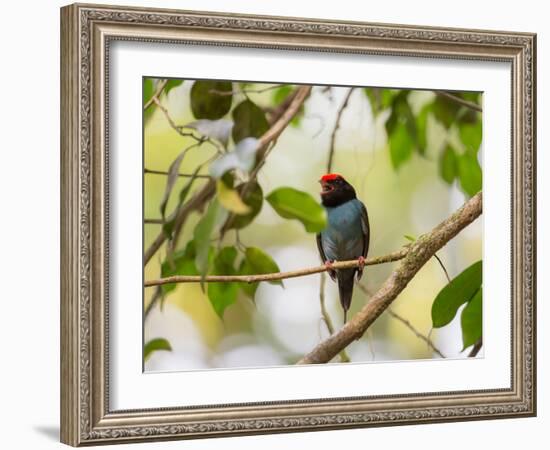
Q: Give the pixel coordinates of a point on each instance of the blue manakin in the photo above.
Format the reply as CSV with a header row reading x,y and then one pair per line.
x,y
346,236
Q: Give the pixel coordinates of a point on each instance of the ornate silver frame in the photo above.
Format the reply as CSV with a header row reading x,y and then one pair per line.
x,y
86,31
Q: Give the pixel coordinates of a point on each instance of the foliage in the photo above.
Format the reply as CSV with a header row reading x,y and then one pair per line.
x,y
208,99
291,203
256,261
221,295
212,219
249,121
155,345
232,120
465,288
407,132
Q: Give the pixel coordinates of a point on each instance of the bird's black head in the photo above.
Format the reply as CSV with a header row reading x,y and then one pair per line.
x,y
335,190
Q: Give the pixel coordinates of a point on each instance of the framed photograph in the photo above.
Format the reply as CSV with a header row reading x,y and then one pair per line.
x,y
276,224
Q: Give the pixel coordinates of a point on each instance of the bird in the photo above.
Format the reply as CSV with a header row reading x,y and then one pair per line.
x,y
346,236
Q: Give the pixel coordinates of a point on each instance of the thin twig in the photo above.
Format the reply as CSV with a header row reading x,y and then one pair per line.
x,y
336,126
326,317
160,88
476,348
268,140
153,221
419,335
395,256
405,322
277,128
343,355
177,128
156,297
209,189
184,175
244,91
180,221
181,214
418,254
276,112
443,267
460,101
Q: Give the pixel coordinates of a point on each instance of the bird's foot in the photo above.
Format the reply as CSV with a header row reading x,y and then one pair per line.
x,y
361,262
328,264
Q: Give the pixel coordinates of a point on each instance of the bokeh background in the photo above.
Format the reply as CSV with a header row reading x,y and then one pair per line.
x,y
408,198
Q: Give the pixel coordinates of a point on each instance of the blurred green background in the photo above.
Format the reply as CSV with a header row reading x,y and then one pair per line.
x,y
413,158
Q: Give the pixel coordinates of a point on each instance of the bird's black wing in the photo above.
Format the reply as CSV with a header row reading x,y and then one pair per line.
x,y
332,273
365,228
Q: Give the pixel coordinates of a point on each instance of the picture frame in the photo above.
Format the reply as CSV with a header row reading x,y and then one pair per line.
x,y
87,32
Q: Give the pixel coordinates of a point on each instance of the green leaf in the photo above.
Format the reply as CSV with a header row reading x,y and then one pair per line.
x,y
401,145
380,99
155,345
217,129
469,173
373,94
470,135
459,291
445,110
248,288
171,84
291,203
215,215
470,96
448,165
230,199
171,179
242,157
471,320
421,127
148,90
401,113
221,295
249,121
409,238
401,130
181,262
253,198
168,226
257,262
208,100
280,94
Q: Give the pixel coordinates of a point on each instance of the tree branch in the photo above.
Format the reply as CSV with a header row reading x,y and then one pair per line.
x,y
475,349
460,101
185,175
278,126
153,221
196,202
297,99
336,126
209,189
400,254
418,254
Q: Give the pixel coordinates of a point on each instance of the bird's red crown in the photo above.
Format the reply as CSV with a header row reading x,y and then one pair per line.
x,y
331,176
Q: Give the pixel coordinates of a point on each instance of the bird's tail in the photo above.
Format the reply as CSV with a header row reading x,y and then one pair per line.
x,y
345,288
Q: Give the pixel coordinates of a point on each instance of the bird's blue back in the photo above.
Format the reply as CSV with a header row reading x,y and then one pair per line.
x,y
342,239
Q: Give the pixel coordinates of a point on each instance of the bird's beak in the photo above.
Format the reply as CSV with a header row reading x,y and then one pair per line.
x,y
325,187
